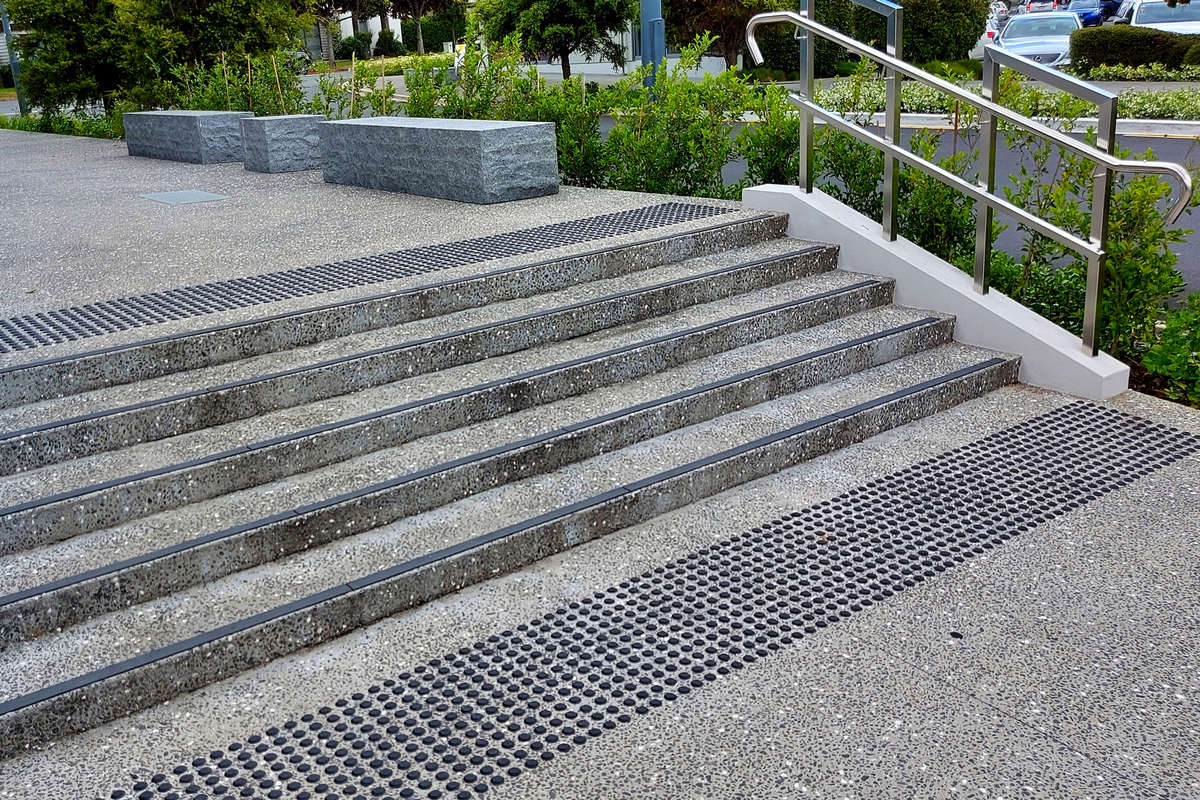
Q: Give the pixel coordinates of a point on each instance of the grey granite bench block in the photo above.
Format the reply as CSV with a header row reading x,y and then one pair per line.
x,y
475,161
282,144
198,137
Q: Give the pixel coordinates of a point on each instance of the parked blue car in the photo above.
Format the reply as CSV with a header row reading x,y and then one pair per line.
x,y
1090,12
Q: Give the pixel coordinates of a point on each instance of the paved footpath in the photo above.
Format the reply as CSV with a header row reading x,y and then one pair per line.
x,y
999,600
1014,588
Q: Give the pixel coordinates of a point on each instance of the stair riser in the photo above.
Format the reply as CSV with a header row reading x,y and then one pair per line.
x,y
56,521
66,376
160,420
360,603
259,545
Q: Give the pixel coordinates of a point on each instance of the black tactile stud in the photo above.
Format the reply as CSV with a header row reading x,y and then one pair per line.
x,y
111,316
477,717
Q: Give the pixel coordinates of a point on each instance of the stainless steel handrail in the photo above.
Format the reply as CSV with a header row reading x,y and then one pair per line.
x,y
1093,248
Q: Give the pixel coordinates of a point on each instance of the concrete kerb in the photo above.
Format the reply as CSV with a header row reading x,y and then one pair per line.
x,y
1050,356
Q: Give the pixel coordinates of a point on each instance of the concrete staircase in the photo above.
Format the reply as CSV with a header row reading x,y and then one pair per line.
x,y
183,509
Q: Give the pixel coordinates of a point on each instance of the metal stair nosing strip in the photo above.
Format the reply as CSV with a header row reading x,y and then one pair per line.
x,y
65,375
110,429
60,516
137,683
69,600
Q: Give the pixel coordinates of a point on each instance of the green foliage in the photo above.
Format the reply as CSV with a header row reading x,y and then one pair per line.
x,y
245,84
1144,72
934,30
679,141
559,27
98,126
1129,45
78,52
1161,104
386,44
769,145
724,19
444,26
357,45
1175,357
6,78
71,52
1192,57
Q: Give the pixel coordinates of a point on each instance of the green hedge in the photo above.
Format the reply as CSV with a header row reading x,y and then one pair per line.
x,y
1131,46
934,30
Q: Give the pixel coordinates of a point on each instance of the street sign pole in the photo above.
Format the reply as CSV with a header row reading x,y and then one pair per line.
x,y
12,59
654,36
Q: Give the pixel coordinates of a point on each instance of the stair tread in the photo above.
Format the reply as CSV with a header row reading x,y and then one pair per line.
x,y
72,556
254,367
55,478
27,666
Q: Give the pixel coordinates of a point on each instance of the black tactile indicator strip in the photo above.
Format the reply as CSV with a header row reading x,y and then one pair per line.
x,y
457,725
111,316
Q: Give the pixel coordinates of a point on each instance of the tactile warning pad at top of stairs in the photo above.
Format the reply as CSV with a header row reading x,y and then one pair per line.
x,y
480,716
111,316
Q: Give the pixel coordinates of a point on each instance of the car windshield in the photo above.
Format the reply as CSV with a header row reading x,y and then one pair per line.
x,y
1158,12
1083,5
1039,27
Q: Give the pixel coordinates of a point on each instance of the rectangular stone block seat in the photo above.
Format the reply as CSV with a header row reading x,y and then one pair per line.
x,y
197,137
473,161
286,143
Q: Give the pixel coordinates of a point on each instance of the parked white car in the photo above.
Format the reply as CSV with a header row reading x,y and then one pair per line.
x,y
1044,38
1183,18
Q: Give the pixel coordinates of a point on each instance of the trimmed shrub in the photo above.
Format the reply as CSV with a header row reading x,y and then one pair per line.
x,y
359,44
1192,57
386,44
1130,46
934,30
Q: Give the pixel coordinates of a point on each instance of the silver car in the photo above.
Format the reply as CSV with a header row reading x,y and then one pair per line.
x,y
1044,38
1180,18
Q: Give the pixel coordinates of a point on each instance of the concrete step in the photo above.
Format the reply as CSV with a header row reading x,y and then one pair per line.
x,y
57,586
59,501
60,376
107,419
461,543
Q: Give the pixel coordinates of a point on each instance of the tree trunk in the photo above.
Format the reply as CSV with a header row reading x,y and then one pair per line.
x,y
565,58
731,51
384,23
420,37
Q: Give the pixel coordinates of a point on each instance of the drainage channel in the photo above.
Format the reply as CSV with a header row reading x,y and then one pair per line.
x,y
460,725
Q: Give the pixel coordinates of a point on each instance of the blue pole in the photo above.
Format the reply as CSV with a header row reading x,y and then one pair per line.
x,y
13,63
654,36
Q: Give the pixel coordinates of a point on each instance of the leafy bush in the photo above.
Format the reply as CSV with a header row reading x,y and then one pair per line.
x,y
769,145
386,44
261,85
1145,72
435,29
358,45
1176,355
97,126
394,66
934,30
6,78
1192,57
1128,45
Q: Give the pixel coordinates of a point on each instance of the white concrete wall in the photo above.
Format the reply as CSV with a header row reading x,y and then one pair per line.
x,y
1050,356
373,25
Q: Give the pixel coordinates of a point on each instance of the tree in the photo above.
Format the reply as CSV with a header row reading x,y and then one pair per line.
x,y
416,9
377,8
70,51
202,29
687,19
560,27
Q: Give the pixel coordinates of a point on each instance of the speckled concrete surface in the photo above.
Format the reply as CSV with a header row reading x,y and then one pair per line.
x,y
86,236
848,713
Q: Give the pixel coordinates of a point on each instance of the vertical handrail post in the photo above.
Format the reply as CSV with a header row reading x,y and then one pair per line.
x,y
807,43
891,166
987,178
1106,140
